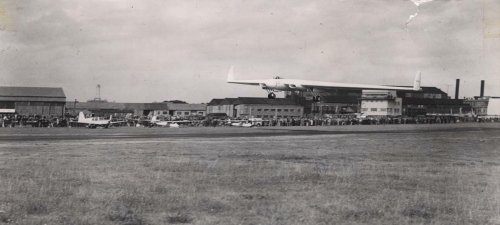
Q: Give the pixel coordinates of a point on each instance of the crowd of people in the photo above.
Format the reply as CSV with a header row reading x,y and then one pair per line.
x,y
335,120
344,120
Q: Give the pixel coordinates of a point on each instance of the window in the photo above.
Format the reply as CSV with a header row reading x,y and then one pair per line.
x,y
273,110
364,109
186,113
396,110
179,113
292,110
383,109
286,110
265,110
298,110
259,110
389,110
373,109
279,110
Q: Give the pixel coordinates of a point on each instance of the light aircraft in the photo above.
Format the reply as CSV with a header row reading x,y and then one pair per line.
x,y
94,122
240,123
315,87
164,123
245,123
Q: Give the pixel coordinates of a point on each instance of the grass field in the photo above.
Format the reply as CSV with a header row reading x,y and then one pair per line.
x,y
437,177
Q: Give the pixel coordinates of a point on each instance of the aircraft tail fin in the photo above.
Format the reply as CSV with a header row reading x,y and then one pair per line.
x,y
417,82
81,117
230,74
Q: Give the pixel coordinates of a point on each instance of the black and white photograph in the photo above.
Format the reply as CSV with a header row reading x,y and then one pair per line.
x,y
265,112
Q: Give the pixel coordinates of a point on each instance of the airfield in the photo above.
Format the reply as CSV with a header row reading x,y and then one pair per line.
x,y
385,174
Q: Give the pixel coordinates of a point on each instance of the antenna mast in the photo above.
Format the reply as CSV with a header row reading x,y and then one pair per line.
x,y
98,93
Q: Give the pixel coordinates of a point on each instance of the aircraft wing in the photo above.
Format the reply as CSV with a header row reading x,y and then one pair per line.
x,y
309,84
230,79
335,85
247,82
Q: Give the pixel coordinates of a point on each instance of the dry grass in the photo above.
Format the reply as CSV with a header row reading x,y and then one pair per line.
x,y
421,178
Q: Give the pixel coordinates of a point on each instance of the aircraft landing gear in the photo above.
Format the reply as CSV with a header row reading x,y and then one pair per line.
x,y
316,98
271,95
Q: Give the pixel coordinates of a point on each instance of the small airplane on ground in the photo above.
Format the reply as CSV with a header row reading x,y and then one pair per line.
x,y
315,87
94,122
163,123
245,123
241,124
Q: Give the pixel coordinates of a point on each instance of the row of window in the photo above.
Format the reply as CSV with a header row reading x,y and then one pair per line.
x,y
396,102
389,110
179,113
279,110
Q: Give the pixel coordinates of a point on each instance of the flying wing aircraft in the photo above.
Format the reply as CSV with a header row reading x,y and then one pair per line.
x,y
94,122
315,87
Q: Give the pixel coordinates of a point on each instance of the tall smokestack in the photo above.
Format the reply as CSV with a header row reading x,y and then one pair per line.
x,y
457,88
481,94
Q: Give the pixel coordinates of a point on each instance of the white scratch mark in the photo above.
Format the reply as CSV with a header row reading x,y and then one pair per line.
x,y
417,3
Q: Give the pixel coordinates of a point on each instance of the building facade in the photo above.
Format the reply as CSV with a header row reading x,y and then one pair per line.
x,y
479,106
380,103
493,106
102,108
186,110
432,101
264,108
43,101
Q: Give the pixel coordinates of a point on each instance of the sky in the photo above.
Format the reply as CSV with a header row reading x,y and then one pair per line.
x,y
156,50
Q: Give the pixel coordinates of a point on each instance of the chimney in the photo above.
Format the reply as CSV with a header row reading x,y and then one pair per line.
x,y
457,88
481,94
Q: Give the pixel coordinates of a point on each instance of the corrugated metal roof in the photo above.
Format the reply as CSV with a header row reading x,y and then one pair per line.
x,y
216,101
32,92
32,99
156,106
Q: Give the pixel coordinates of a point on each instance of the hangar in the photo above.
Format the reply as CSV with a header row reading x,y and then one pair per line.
x,y
44,101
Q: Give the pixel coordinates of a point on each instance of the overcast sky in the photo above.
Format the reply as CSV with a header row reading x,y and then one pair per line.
x,y
145,51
